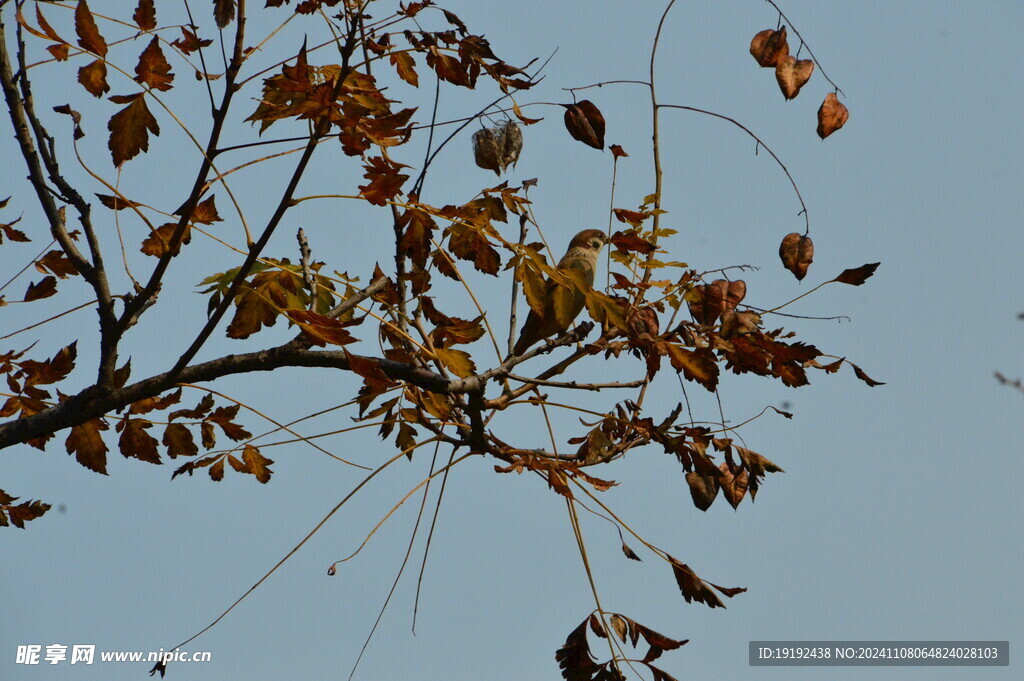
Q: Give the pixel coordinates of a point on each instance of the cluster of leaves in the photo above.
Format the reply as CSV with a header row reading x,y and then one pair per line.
x,y
578,663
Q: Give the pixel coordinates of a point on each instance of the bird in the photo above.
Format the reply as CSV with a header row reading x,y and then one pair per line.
x,y
581,256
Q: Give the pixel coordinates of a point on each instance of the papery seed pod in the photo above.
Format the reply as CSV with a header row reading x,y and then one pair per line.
x,y
832,115
797,253
510,144
792,74
585,123
485,150
499,147
769,47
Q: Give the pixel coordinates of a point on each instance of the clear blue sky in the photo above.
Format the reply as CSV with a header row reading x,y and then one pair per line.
x,y
898,516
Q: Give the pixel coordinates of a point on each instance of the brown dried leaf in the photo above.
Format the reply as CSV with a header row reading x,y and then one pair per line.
x,y
57,263
793,74
22,513
88,34
257,464
86,443
178,440
617,151
733,482
116,202
158,242
223,12
45,288
797,253
703,489
832,115
224,417
697,365
189,42
693,587
145,15
405,65
129,129
585,123
93,77
385,180
629,553
319,329
206,212
858,275
574,657
370,370
153,69
863,376
631,241
769,47
135,442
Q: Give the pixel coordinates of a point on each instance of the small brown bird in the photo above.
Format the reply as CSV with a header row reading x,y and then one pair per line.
x,y
581,256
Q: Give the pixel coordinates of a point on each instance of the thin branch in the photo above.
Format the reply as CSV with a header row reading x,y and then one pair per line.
x,y
574,385
298,546
803,43
803,206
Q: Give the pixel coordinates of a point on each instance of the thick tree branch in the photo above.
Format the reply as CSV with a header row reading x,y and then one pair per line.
x,y
94,401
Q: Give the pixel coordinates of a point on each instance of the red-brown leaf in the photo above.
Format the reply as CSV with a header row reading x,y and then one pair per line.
x,y
88,34
135,442
703,489
223,12
179,441
697,365
863,376
86,443
145,15
630,241
858,275
257,464
93,77
405,65
153,69
129,129
117,202
319,329
43,289
206,212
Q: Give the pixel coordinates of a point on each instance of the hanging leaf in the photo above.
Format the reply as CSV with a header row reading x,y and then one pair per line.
x,y
88,34
153,69
86,443
585,123
793,74
832,115
93,77
405,65
797,253
145,15
130,127
223,12
45,288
